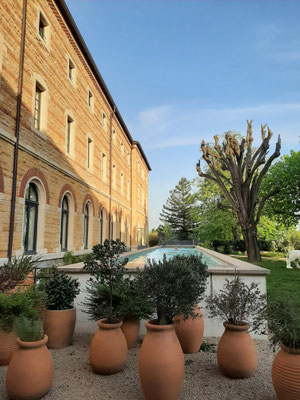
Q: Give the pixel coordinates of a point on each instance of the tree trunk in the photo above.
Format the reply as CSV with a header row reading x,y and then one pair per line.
x,y
250,237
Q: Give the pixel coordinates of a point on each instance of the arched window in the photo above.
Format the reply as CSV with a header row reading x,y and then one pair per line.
x,y
101,226
64,227
30,219
86,226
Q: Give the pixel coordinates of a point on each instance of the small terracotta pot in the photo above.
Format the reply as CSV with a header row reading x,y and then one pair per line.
x,y
59,325
131,330
286,374
190,332
161,363
8,345
30,371
108,349
237,354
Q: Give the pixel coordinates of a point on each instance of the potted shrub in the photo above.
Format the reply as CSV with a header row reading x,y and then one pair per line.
x,y
30,371
133,308
284,329
238,305
190,331
11,307
60,313
172,287
17,273
108,349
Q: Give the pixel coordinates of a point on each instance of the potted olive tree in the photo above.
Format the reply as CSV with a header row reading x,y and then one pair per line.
x,y
172,287
60,313
30,371
108,349
12,306
239,305
283,317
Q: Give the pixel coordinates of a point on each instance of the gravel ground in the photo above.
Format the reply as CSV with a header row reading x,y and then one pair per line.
x,y
74,379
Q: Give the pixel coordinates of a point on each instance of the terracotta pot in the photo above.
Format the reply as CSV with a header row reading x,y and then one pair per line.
x,y
131,330
59,325
30,371
161,363
108,349
8,345
237,354
286,374
190,332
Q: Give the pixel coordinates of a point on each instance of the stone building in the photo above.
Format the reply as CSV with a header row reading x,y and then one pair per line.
x,y
71,175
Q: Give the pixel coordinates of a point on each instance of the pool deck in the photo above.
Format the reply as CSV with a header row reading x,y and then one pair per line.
x,y
228,265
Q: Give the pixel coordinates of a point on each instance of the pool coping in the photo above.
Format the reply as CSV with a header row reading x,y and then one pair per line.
x,y
229,266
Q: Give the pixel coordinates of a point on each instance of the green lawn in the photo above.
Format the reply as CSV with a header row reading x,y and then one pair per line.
x,y
281,280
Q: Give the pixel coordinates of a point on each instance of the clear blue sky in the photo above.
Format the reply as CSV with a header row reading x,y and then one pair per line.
x,y
183,71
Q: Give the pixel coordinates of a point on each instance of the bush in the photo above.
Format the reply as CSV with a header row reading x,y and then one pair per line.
x,y
294,240
107,270
173,286
153,239
14,305
70,258
60,289
238,304
15,270
30,329
283,322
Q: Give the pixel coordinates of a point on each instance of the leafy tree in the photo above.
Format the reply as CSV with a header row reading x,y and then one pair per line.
x,y
246,169
164,233
178,210
284,175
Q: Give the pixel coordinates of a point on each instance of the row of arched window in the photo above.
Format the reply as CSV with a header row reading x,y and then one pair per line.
x,y
30,228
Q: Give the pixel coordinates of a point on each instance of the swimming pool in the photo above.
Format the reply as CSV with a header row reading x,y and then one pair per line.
x,y
157,254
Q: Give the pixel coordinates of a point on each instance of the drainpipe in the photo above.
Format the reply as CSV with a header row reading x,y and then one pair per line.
x,y
17,135
110,168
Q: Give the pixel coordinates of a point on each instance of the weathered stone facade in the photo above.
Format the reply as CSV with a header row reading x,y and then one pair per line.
x,y
81,148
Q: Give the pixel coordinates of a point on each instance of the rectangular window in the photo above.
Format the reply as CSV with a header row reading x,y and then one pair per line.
x,y
103,169
89,155
37,107
71,71
122,184
91,100
104,121
69,134
128,189
114,176
42,27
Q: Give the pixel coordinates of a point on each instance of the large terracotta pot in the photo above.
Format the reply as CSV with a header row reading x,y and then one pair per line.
x,y
30,372
286,374
59,326
8,345
161,363
131,330
108,349
237,354
190,332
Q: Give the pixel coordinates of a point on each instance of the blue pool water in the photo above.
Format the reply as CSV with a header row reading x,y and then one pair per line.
x,y
157,254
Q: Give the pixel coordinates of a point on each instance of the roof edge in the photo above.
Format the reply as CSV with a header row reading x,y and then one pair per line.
x,y
83,47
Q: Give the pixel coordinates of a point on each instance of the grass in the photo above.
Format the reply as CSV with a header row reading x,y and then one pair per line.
x,y
281,281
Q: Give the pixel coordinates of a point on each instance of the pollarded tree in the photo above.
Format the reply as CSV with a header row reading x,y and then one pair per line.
x,y
246,168
178,210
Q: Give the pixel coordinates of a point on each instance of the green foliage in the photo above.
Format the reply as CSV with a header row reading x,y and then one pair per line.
x,y
106,268
173,286
70,258
178,210
153,238
284,206
29,329
238,303
60,289
127,300
274,232
293,238
165,233
14,305
15,270
283,321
